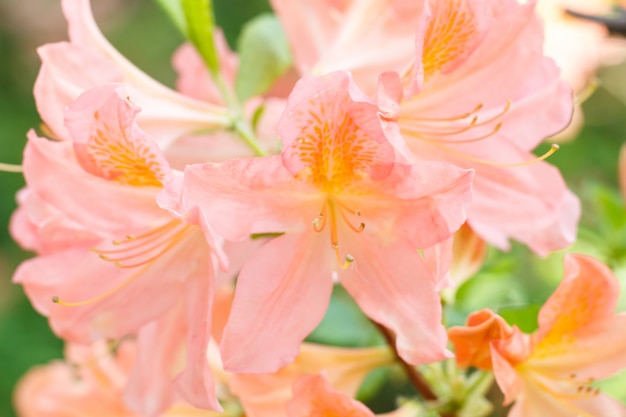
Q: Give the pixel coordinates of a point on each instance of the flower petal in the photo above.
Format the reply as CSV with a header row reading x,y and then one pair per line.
x,y
241,197
587,295
282,294
392,285
313,395
196,383
149,390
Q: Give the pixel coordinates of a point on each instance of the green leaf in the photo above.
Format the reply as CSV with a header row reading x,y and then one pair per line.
x,y
174,10
344,324
264,56
525,317
611,207
200,25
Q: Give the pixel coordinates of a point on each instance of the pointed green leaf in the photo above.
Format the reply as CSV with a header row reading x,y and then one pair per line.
x,y
174,10
264,56
200,25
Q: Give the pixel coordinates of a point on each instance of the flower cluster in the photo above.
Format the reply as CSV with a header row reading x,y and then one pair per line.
x,y
188,242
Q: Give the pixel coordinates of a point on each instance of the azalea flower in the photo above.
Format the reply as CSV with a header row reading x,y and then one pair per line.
x,y
467,83
90,382
346,210
88,60
114,262
364,37
314,396
550,372
579,47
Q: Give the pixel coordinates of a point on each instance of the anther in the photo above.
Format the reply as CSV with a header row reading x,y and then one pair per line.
x,y
348,260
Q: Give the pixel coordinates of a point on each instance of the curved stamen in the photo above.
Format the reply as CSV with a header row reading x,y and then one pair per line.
x,y
451,118
57,300
174,241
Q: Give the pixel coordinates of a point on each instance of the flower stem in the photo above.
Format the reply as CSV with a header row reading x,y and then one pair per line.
x,y
245,133
416,378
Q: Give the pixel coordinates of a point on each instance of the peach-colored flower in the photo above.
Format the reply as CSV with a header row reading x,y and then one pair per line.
x,y
482,95
345,368
90,382
467,82
473,342
314,395
365,37
70,68
579,47
468,255
578,341
348,210
132,267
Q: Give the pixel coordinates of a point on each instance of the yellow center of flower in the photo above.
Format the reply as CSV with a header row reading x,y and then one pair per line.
x,y
336,156
112,156
336,153
451,34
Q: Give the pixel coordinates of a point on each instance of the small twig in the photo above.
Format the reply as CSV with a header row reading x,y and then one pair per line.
x,y
416,378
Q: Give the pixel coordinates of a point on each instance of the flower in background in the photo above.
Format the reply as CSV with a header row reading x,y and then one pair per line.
x,y
90,382
314,396
578,342
88,60
579,47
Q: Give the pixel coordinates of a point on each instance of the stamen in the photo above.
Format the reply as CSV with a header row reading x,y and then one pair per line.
x,y
10,168
349,259
546,155
342,208
153,244
320,221
449,119
57,300
152,232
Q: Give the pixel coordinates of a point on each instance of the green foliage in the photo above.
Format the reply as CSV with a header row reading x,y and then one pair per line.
x,y
524,317
345,324
200,25
264,56
174,10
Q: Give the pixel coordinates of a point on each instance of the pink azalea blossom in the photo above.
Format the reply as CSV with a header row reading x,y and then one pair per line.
x,y
364,37
90,382
520,101
347,210
132,267
70,68
475,89
578,342
313,395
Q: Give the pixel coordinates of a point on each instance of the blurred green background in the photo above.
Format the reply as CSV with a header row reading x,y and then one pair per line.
x,y
142,32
